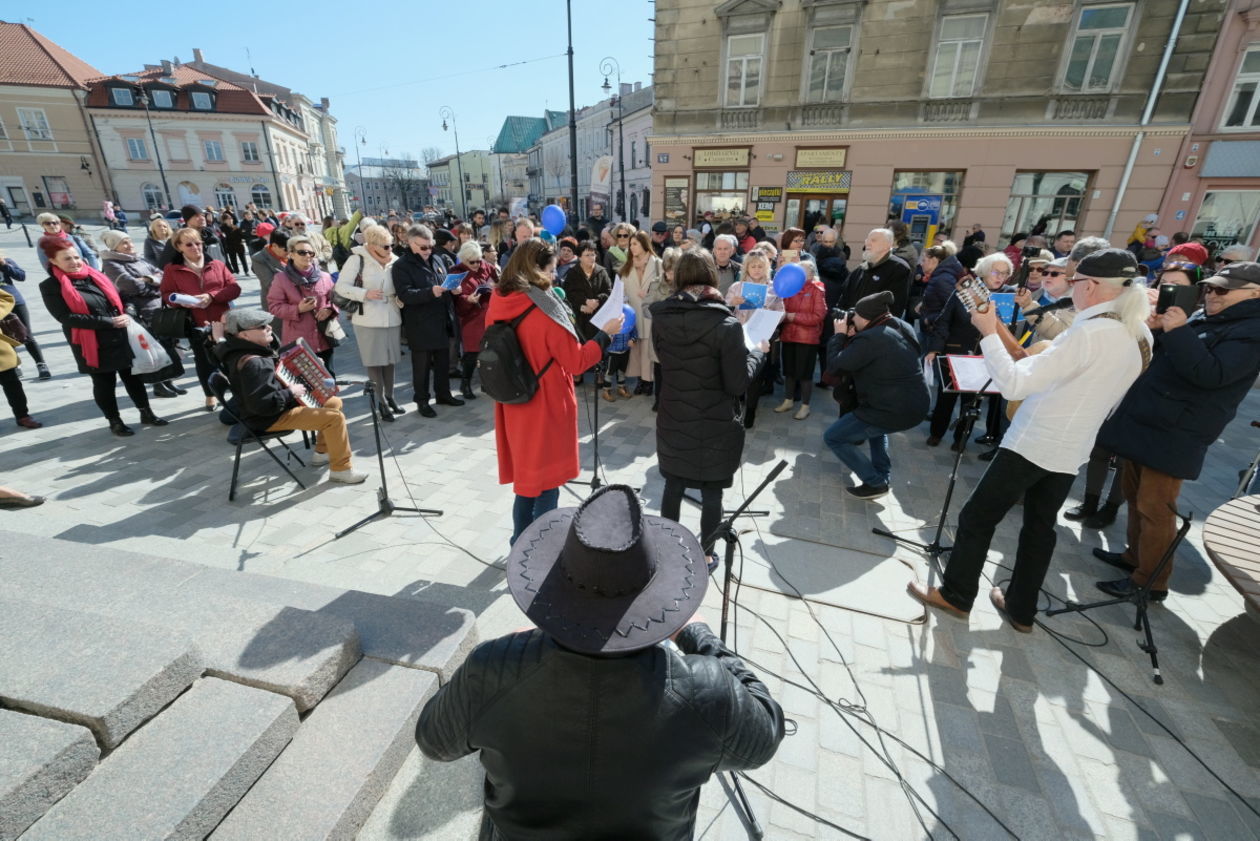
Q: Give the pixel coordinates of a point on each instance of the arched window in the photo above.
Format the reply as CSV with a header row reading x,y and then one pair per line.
x,y
152,196
189,193
260,195
224,196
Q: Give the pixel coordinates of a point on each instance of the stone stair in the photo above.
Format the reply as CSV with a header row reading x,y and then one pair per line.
x,y
145,697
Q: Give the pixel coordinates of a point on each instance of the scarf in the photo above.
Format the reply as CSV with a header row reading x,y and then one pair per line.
x,y
85,339
550,304
701,292
303,281
619,254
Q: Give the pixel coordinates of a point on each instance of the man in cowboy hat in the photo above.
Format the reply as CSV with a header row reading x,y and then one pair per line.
x,y
595,725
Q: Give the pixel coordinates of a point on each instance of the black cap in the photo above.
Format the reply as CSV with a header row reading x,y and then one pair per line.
x,y
1110,263
1236,276
442,236
660,228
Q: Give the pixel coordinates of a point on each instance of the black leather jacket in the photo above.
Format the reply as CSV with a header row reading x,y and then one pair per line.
x,y
580,748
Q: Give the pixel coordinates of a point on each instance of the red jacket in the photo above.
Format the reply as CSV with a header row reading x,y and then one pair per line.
x,y
538,441
472,317
215,280
808,308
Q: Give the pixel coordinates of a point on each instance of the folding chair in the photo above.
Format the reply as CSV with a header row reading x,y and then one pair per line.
x,y
239,434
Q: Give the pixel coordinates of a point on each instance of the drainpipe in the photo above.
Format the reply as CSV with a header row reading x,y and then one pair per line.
x,y
271,156
1146,117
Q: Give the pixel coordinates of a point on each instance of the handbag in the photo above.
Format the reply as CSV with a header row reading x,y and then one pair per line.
x,y
346,305
333,332
12,327
147,355
169,323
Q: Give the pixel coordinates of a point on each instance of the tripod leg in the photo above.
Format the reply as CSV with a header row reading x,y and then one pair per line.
x,y
1149,646
750,818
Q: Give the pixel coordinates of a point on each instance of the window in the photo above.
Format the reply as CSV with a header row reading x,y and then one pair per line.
x,y
214,151
136,150
634,154
162,99
1227,217
743,70
828,61
224,195
1242,111
260,195
1056,197
177,148
202,101
1095,55
4,134
121,96
34,123
58,191
152,195
725,193
947,185
249,152
957,56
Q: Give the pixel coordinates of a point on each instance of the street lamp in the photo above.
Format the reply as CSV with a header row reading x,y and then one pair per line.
x,y
446,113
360,136
498,161
157,153
610,66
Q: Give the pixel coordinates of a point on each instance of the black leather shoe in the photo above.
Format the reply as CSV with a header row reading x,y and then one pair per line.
x,y
176,388
987,440
1115,559
1083,511
1103,517
149,419
163,390
120,429
988,455
426,410
452,400
1124,588
386,414
394,407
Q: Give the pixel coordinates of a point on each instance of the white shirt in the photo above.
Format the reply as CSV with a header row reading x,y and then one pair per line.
x,y
1068,389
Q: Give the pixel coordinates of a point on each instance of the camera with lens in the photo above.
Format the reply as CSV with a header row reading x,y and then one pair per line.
x,y
1030,251
839,313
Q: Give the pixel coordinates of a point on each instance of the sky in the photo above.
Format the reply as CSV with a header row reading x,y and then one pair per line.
x,y
388,69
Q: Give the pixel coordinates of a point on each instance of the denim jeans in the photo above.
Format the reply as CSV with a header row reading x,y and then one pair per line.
x,y
526,509
845,438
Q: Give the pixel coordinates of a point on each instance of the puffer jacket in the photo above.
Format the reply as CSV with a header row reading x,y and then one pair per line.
x,y
130,274
940,287
705,370
808,309
580,748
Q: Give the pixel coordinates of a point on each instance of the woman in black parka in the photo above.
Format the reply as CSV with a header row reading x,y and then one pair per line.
x,y
706,368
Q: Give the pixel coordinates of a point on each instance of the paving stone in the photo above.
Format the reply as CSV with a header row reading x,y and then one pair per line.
x,y
40,761
1011,763
179,775
332,774
105,674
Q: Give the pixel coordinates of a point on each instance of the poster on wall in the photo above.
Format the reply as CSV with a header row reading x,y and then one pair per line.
x,y
676,199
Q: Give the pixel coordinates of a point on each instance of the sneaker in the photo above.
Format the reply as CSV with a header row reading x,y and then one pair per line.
x,y
318,458
44,373
347,477
785,406
802,413
868,492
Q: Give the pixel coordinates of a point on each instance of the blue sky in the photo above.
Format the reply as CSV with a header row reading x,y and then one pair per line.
x,y
385,67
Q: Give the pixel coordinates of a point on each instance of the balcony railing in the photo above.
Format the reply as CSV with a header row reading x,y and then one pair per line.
x,y
740,118
824,115
1079,108
946,111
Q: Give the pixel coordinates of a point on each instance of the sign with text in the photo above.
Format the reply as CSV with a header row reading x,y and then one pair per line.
x,y
819,181
830,158
676,199
767,194
710,158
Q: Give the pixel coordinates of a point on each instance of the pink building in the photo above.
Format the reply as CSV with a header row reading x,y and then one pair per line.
x,y
1214,190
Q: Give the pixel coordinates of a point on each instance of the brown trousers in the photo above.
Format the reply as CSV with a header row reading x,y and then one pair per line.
x,y
328,423
1152,498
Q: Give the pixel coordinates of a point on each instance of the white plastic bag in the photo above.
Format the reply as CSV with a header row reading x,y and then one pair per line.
x,y
929,374
148,356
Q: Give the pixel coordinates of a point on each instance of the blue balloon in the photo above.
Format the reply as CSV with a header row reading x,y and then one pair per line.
x,y
628,324
554,220
789,280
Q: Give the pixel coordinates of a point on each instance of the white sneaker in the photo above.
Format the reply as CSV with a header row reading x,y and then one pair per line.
x,y
802,412
347,477
318,458
785,406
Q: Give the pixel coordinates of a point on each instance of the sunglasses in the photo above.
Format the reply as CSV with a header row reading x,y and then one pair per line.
x,y
305,253
424,248
1053,274
623,236
46,224
1212,289
1223,261
190,245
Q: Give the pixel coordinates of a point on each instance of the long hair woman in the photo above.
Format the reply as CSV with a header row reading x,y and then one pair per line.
x,y
538,440
645,285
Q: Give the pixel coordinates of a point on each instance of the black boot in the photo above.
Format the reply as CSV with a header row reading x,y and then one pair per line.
x,y
386,414
149,419
393,406
1085,510
163,390
119,428
1105,516
465,390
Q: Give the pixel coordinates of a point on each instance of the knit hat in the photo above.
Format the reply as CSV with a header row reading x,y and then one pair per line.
x,y
188,211
1110,264
112,238
1192,251
243,319
264,230
469,251
873,306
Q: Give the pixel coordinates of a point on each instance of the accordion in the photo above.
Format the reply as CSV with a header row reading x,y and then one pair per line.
x,y
299,364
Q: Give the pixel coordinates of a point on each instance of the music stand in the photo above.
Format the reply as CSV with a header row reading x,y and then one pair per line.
x,y
968,416
1140,598
385,505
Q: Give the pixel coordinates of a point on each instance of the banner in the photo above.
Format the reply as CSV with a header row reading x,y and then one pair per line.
x,y
601,179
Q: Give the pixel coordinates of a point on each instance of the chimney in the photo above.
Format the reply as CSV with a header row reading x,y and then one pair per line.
x,y
638,86
197,54
626,87
166,67
323,102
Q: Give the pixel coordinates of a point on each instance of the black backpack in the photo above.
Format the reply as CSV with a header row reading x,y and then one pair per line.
x,y
505,372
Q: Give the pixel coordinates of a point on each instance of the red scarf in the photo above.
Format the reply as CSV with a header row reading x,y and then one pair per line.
x,y
84,338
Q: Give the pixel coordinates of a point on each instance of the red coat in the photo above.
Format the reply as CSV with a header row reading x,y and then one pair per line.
x,y
215,280
808,308
283,299
538,441
472,317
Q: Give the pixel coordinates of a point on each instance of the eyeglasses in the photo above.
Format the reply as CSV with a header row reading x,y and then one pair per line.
x,y
299,224
1078,279
623,236
424,248
305,253
474,262
999,273
1052,274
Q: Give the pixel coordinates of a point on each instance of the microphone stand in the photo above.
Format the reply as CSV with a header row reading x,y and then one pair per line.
x,y
727,532
595,484
385,505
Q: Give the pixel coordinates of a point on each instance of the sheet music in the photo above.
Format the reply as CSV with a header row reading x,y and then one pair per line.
x,y
969,373
612,307
760,327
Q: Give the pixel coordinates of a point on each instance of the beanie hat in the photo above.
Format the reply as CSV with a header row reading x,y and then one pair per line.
x,y
188,211
873,306
112,238
1191,251
469,251
263,230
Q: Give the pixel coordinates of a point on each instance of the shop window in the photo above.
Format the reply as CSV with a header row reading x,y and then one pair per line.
x,y
743,70
1052,200
136,150
1227,217
152,196
725,193
58,191
957,62
828,63
1094,62
946,184
1244,103
260,195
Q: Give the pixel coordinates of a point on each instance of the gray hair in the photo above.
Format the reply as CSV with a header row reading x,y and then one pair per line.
x,y
886,233
987,264
1237,252
728,239
1087,246
829,234
377,235
419,232
294,242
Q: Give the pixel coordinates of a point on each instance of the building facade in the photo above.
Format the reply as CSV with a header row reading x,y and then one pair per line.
x,y
1215,189
481,181
385,184
49,157
1008,113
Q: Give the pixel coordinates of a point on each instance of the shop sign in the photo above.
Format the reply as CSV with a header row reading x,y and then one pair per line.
x,y
765,215
676,198
831,158
819,181
767,194
662,157
723,158
765,205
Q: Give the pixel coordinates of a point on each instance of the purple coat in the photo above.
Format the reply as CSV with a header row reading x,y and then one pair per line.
x,y
282,301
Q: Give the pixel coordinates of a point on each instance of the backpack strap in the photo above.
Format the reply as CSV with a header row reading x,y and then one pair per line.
x,y
1144,347
514,323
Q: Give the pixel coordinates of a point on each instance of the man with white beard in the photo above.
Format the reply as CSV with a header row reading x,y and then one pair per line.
x,y
880,270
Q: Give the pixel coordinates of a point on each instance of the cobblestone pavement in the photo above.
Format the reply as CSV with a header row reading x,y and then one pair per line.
x,y
972,717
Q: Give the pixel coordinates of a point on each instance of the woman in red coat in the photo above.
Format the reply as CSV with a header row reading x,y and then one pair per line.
x,y
538,440
209,281
471,303
802,328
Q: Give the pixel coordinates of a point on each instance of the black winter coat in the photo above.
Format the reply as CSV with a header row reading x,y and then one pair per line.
x,y
705,371
428,319
580,748
952,332
113,348
578,288
261,397
832,271
884,362
1199,374
892,273
940,288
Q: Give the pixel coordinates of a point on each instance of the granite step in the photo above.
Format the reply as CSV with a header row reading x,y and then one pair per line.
x,y
343,758
41,760
177,776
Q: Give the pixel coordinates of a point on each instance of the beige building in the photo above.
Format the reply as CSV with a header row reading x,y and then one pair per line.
x,y
481,181
49,158
1006,113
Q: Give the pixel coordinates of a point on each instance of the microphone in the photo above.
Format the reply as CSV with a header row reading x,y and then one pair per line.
x,y
1061,304
343,381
